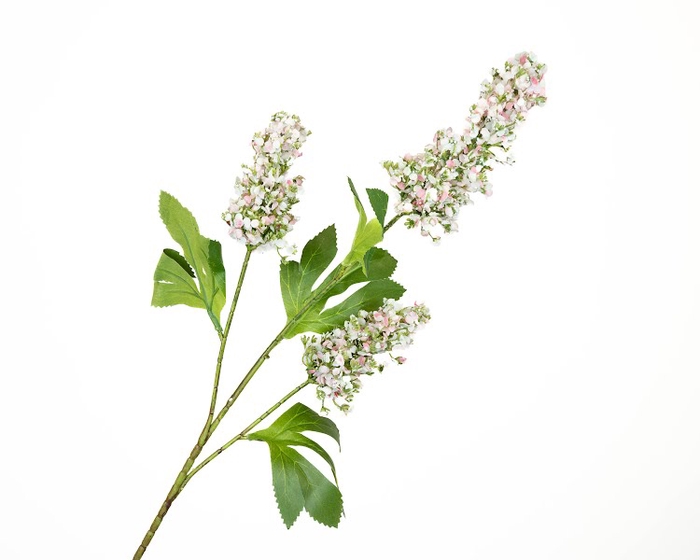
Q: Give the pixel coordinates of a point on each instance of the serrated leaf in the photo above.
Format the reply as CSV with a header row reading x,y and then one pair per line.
x,y
379,265
367,234
297,278
179,259
369,297
201,260
173,282
379,201
286,483
290,279
316,256
298,484
322,499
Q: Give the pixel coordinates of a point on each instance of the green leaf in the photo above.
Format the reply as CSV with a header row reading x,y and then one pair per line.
x,y
369,297
216,265
297,278
365,238
179,259
201,260
299,418
290,280
375,265
173,283
317,255
379,201
367,235
298,484
379,265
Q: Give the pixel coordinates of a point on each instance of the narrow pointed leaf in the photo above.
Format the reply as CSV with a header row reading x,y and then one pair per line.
x,y
367,235
358,204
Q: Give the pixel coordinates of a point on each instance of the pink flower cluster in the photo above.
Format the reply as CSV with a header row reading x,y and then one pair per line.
x,y
435,184
260,211
336,360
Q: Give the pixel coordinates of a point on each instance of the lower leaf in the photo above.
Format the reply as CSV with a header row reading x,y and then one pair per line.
x,y
300,485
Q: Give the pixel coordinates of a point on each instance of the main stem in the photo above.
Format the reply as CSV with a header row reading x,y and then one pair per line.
x,y
206,432
212,423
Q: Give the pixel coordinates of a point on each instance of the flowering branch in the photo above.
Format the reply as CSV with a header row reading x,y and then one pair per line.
x,y
345,342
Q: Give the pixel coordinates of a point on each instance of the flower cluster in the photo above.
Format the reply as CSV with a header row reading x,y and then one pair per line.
x,y
433,185
260,211
336,360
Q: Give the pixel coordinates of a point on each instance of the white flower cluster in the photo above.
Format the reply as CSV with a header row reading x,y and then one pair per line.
x,y
336,360
433,185
260,211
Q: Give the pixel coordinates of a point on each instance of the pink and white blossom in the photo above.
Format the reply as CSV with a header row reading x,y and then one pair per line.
x,y
260,211
436,183
337,360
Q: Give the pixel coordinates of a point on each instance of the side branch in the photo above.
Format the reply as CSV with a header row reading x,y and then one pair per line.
x,y
243,433
222,347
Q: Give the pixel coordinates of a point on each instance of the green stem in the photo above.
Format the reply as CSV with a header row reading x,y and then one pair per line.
x,y
393,221
244,433
204,436
169,499
224,338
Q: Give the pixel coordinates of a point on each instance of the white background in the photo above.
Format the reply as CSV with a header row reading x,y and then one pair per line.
x,y
549,411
